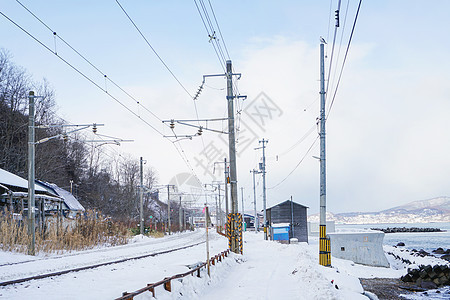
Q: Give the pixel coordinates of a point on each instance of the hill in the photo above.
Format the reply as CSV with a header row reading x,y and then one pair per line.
x,y
422,211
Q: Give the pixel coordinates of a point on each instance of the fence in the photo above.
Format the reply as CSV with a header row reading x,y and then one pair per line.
x,y
166,282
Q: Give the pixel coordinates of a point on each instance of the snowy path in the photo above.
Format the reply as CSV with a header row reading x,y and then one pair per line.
x,y
269,270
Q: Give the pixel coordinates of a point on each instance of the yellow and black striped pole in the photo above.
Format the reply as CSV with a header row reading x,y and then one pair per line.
x,y
324,243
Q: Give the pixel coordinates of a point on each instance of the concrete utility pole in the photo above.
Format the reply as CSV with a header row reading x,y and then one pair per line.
x,y
242,200
256,221
226,187
263,171
323,252
220,209
232,154
207,238
180,211
31,199
141,198
217,215
168,205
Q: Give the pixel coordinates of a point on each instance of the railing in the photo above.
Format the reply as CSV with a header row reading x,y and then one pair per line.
x,y
166,282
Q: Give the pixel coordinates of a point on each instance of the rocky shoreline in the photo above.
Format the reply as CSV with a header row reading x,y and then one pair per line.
x,y
407,229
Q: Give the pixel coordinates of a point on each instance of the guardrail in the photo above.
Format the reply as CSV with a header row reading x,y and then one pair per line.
x,y
166,282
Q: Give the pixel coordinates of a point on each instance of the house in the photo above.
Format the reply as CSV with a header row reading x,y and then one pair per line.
x,y
49,197
14,194
292,213
71,207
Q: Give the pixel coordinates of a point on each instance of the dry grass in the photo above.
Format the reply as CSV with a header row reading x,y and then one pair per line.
x,y
85,232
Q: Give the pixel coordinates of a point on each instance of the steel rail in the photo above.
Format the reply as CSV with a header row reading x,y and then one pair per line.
x,y
5,283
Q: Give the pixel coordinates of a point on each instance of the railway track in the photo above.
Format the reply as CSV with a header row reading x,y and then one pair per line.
x,y
105,250
195,239
58,273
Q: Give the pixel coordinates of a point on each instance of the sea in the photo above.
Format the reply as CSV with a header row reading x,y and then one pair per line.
x,y
427,241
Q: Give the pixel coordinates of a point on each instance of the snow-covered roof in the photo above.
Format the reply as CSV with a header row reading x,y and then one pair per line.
x,y
283,201
68,198
10,179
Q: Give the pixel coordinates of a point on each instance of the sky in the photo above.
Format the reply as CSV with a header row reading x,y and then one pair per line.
x,y
387,130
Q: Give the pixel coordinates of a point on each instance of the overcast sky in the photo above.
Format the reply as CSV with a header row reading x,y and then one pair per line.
x,y
387,132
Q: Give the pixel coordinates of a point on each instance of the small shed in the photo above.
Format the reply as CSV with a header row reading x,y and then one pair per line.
x,y
293,213
14,193
71,206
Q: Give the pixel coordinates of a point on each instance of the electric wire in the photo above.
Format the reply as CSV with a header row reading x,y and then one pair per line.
x,y
332,48
218,27
298,164
162,61
340,43
213,32
87,60
345,58
210,35
185,158
153,49
81,73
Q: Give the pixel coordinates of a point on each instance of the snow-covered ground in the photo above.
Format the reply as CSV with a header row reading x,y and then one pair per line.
x,y
267,270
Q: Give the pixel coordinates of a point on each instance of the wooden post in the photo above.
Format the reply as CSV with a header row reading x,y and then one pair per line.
x,y
168,286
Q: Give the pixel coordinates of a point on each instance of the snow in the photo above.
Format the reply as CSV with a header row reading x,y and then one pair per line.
x,y
14,180
69,199
266,270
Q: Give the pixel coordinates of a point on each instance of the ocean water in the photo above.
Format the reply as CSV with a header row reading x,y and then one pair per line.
x,y
427,241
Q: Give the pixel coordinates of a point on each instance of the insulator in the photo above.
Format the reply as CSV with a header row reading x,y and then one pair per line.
x,y
65,138
200,131
172,124
94,129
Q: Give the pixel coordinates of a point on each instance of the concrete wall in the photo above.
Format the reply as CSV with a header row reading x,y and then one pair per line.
x,y
364,248
313,228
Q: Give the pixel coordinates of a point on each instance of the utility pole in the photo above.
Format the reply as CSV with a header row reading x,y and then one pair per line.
x,y
226,186
31,199
263,171
217,216
141,198
235,247
256,221
180,216
207,238
220,210
168,204
324,257
242,200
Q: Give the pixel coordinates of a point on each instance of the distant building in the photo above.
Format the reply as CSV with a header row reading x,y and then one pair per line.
x,y
49,197
14,194
293,213
71,206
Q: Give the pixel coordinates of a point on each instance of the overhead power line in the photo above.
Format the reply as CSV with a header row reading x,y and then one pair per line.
x,y
81,73
153,49
296,166
162,61
177,147
345,58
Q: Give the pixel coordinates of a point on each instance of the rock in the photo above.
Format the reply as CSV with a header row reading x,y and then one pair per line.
x,y
406,278
400,244
421,251
428,285
439,251
446,257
